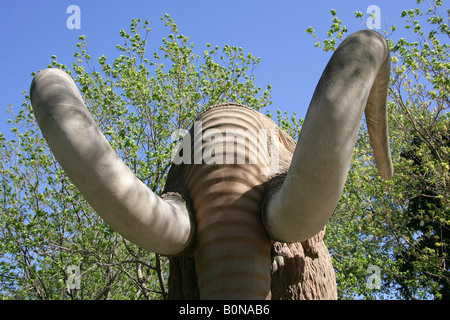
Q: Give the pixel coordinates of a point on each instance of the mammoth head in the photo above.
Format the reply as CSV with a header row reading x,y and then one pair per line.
x,y
354,81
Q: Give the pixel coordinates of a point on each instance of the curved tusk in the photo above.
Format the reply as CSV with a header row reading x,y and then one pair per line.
x,y
377,122
109,186
355,79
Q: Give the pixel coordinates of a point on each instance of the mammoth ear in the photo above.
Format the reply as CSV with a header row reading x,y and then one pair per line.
x,y
109,186
355,79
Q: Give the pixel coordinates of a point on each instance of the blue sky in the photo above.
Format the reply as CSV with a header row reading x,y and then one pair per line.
x,y
32,31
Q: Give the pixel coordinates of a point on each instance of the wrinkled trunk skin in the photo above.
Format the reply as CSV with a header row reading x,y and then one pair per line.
x,y
231,256
231,250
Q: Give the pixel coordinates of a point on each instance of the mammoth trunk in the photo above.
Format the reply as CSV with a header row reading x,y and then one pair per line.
x,y
231,251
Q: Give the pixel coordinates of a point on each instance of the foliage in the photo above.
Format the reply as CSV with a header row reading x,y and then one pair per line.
x,y
401,225
139,101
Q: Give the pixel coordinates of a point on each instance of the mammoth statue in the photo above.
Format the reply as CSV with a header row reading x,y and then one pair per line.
x,y
247,223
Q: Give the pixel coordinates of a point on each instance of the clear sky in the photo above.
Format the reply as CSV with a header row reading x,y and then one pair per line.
x,y
273,30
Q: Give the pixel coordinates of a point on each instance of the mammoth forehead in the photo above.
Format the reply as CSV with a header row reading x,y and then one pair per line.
x,y
231,115
228,148
240,129
231,144
228,117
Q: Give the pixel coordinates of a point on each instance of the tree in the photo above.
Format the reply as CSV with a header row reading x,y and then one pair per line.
x,y
401,226
424,115
143,105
